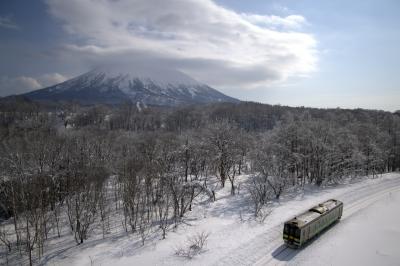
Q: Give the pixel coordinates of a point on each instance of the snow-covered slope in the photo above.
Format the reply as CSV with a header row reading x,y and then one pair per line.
x,y
237,239
150,86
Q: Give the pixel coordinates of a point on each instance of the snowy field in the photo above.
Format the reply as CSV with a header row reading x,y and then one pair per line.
x,y
366,235
369,237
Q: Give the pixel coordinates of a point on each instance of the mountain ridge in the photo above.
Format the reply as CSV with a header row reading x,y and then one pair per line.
x,y
160,87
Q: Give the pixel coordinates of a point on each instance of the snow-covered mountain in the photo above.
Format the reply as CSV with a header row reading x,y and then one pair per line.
x,y
111,85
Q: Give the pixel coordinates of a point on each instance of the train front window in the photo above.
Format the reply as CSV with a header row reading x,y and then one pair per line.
x,y
292,230
297,233
286,229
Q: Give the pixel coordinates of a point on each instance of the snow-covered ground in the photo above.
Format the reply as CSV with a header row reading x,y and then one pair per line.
x,y
369,237
366,235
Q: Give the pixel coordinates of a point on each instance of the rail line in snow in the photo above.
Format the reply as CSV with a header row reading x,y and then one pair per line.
x,y
268,248
283,256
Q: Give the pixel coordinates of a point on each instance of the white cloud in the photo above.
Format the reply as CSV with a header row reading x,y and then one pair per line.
x,y
292,22
8,23
51,79
214,44
23,84
17,85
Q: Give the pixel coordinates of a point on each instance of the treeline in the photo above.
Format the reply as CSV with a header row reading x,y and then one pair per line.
x,y
369,138
79,165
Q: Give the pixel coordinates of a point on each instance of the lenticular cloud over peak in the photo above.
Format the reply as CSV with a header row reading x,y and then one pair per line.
x,y
213,44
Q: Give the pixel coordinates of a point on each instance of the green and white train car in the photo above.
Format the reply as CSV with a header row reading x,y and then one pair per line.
x,y
305,226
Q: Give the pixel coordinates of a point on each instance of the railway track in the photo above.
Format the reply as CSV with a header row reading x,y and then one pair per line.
x,y
269,249
282,257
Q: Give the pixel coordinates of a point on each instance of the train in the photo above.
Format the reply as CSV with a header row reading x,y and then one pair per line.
x,y
305,226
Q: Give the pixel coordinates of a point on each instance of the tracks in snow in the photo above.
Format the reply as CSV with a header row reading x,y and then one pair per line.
x,y
268,248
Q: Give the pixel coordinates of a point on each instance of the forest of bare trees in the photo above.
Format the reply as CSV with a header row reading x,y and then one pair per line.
x,y
75,165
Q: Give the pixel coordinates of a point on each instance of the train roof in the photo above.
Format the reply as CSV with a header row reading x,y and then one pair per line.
x,y
314,212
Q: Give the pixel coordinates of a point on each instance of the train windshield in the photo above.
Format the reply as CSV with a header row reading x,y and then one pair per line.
x,y
292,230
297,233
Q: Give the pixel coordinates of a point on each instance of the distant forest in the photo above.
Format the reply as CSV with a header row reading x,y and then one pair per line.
x,y
60,160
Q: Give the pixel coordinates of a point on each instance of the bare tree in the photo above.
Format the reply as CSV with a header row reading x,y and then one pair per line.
x,y
222,143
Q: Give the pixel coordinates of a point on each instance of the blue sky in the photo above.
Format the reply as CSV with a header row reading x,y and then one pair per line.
x,y
299,53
